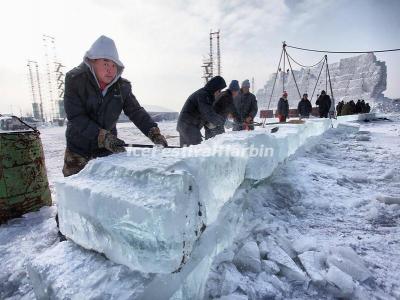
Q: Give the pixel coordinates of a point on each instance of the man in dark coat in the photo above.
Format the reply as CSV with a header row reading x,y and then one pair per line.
x,y
198,112
359,107
339,108
304,108
95,96
224,106
283,108
324,103
367,108
246,107
349,108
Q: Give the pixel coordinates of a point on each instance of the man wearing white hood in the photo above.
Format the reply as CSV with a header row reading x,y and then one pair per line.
x,y
95,96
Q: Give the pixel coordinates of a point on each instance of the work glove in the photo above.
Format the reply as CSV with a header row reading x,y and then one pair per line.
x,y
229,124
156,137
210,125
110,142
249,120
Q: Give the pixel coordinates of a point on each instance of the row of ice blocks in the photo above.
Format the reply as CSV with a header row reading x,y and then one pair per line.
x,y
146,209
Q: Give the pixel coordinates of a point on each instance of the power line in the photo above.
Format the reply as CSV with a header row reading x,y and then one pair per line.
x,y
328,51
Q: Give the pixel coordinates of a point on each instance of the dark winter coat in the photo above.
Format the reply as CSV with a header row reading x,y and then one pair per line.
x,y
324,103
359,107
198,111
339,108
348,109
304,108
283,107
223,106
88,110
246,106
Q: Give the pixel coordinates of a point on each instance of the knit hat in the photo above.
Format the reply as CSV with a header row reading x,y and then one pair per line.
x,y
246,84
215,84
234,86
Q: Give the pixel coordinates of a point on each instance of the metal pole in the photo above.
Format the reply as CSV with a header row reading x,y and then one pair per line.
x,y
294,78
211,56
330,84
284,67
218,54
273,87
40,92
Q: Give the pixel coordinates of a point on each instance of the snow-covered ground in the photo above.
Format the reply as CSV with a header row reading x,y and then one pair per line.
x,y
333,196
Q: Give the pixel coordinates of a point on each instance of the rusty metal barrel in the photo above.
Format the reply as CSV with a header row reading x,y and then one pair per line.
x,y
24,186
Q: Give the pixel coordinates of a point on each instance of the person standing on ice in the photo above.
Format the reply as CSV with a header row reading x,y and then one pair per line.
x,y
324,103
95,95
246,108
304,108
283,108
198,112
224,106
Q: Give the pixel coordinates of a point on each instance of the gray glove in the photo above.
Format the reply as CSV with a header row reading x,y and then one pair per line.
x,y
156,137
110,142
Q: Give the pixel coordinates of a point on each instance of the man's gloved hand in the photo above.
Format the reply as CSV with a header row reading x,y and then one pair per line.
x,y
156,137
110,142
210,125
249,120
229,124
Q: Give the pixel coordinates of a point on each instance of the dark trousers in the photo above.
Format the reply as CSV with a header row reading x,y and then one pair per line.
x,y
282,118
189,135
323,114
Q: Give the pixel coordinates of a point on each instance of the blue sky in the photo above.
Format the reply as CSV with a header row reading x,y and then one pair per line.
x,y
162,42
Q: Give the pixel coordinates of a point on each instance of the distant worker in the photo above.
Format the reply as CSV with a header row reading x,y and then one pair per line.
x,y
198,112
304,108
339,108
95,96
367,108
348,108
324,104
223,105
359,107
283,108
246,108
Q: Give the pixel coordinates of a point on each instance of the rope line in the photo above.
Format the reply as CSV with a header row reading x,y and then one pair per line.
x,y
328,51
304,66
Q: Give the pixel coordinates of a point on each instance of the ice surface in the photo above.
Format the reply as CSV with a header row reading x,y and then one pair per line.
x,y
248,258
286,264
313,262
305,243
269,267
336,215
349,262
86,275
233,297
341,280
388,199
147,209
231,280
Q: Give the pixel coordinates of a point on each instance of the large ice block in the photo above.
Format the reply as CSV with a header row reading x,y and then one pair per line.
x,y
146,209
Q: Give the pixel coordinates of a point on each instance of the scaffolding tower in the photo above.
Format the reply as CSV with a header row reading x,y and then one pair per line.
x,y
55,78
36,90
214,59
